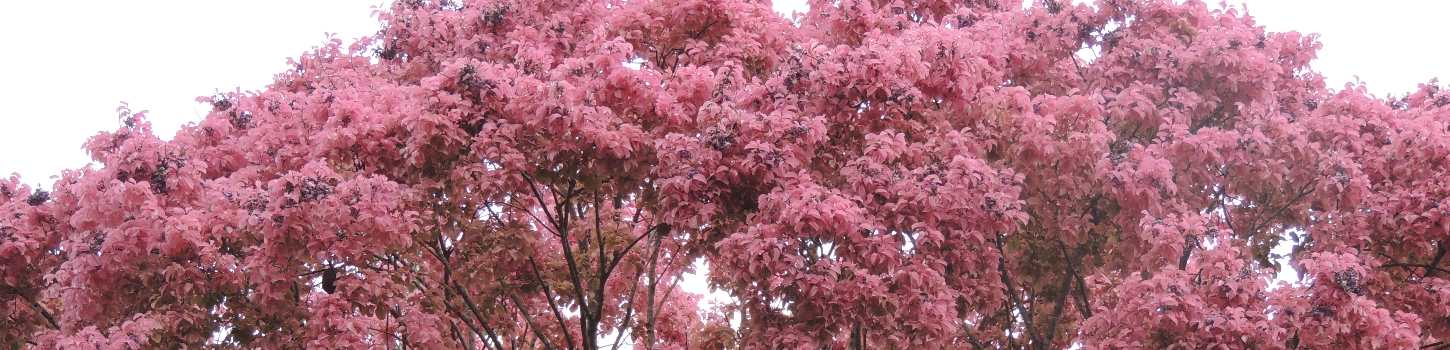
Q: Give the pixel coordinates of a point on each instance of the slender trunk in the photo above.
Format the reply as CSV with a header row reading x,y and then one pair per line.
x,y
653,283
553,307
538,333
1063,289
482,319
1011,289
624,323
1434,266
591,334
858,339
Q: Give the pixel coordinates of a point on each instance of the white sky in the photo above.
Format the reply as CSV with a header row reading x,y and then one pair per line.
x,y
66,65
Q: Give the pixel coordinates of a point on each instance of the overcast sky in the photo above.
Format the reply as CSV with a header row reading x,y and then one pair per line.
x,y
67,65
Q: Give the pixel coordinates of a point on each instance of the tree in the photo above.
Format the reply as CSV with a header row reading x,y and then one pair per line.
x,y
870,174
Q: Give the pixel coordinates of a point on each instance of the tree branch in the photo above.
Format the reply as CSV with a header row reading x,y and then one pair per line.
x,y
453,328
575,277
471,327
1011,290
1063,289
1187,252
530,322
604,269
1082,298
549,295
49,318
479,316
653,284
1434,266
626,322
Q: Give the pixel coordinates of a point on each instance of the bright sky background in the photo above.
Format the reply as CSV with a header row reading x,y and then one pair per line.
x,y
66,65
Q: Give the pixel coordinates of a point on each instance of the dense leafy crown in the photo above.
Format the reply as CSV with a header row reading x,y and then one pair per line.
x,y
515,174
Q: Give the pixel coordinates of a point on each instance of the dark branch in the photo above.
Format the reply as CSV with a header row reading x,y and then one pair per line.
x,y
482,321
530,321
549,295
1435,263
49,318
1063,289
1011,290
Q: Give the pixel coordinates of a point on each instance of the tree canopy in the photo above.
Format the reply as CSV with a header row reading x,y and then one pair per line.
x,y
883,174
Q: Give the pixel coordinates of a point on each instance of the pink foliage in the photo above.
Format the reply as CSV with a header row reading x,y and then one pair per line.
x,y
871,174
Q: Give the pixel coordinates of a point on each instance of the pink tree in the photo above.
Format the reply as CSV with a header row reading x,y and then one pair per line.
x,y
870,174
